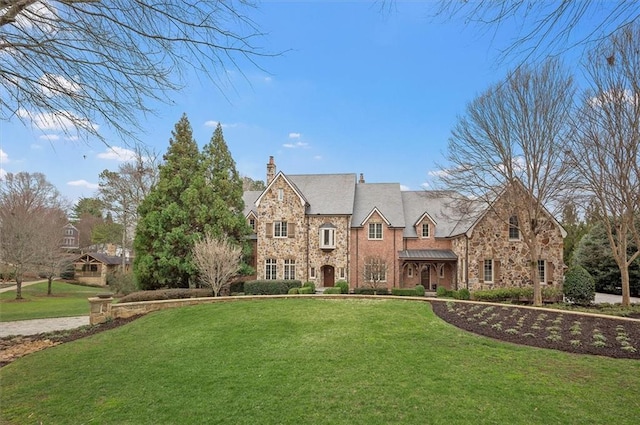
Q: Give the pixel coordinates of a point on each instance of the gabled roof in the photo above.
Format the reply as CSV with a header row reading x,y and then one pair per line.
x,y
439,206
385,197
295,189
110,260
326,194
249,197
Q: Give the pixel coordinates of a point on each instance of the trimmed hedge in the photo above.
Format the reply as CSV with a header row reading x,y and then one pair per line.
x,y
306,290
334,290
579,286
343,285
403,292
310,285
165,294
269,287
293,291
420,290
371,291
236,287
515,294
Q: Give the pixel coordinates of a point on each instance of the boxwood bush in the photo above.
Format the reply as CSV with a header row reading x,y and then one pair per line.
x,y
310,285
334,290
371,291
306,290
269,287
420,290
515,294
165,294
579,286
403,292
343,285
293,291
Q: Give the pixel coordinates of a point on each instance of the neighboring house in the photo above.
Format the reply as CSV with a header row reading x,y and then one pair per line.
x,y
93,267
70,237
329,227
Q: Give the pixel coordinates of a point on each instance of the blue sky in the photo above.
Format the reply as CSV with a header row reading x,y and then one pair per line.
x,y
358,90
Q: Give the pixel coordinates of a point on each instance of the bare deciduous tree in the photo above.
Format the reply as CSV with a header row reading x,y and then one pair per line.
x,y
544,28
218,260
68,63
374,271
26,200
606,143
513,136
51,258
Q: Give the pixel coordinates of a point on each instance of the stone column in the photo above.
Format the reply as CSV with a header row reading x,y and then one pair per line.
x,y
100,310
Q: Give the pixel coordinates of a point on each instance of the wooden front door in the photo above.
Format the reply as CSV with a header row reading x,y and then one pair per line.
x,y
328,276
425,279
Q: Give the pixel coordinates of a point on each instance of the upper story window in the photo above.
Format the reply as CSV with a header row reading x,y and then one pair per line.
x,y
252,224
425,230
280,194
68,231
327,236
514,230
375,230
280,229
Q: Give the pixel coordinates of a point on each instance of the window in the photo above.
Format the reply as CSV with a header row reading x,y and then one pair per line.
x,y
488,270
514,230
68,232
289,269
280,194
270,269
312,273
342,273
542,271
327,236
375,230
441,271
375,272
425,230
410,271
252,224
280,229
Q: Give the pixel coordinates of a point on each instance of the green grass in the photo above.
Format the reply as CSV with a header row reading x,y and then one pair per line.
x,y
311,361
67,300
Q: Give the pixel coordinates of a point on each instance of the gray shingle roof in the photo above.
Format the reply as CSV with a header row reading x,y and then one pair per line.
x,y
441,207
330,194
249,197
383,196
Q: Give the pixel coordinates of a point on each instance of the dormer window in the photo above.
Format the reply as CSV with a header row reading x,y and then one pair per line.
x,y
327,236
252,224
425,230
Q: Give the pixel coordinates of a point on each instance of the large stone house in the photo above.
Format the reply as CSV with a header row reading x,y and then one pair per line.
x,y
329,227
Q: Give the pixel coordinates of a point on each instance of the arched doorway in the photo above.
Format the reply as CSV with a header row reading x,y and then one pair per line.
x,y
328,276
425,277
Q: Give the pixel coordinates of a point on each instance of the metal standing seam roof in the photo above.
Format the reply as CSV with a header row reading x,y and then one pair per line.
x,y
428,255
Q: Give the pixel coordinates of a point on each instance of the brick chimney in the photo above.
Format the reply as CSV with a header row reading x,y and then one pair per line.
x,y
271,170
361,178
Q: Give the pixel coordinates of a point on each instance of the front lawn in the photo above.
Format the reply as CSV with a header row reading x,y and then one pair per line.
x,y
66,300
315,361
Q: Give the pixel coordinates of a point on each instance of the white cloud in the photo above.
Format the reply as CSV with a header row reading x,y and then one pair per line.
x,y
53,84
50,137
295,145
404,187
4,158
3,173
83,183
268,79
214,124
61,121
117,153
425,185
294,135
438,173
317,157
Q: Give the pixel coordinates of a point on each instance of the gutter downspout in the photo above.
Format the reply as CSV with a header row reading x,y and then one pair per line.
x,y
466,261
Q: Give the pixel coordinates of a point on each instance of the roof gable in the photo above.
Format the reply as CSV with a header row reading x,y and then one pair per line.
x,y
374,211
282,176
386,198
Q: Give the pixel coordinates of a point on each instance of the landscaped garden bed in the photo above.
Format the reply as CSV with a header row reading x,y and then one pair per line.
x,y
576,333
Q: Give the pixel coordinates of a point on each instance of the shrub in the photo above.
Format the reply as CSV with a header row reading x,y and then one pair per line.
x,y
236,287
293,291
165,294
420,291
311,285
579,286
334,290
306,290
122,283
462,294
403,292
441,291
269,287
343,285
68,272
371,291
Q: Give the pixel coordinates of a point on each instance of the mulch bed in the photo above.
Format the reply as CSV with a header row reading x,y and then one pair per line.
x,y
14,347
581,334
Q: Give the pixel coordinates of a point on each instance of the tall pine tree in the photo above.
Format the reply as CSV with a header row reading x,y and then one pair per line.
x,y
172,215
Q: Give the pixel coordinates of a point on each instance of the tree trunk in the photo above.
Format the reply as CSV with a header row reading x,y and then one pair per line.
x,y
49,285
624,273
537,289
18,288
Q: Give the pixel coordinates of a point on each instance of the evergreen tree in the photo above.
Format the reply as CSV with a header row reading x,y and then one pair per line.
x,y
172,216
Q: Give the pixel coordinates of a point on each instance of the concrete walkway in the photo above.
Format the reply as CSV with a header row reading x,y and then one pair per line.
x,y
36,326
613,299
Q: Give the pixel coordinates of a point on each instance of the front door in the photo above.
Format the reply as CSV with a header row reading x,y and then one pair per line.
x,y
425,279
328,277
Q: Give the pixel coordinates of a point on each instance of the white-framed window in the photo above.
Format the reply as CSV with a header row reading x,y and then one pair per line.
x,y
68,232
514,230
289,269
280,194
327,237
542,271
375,230
252,224
425,230
312,273
342,273
410,271
488,270
270,269
376,272
280,229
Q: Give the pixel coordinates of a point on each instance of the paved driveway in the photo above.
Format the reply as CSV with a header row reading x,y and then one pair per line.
x,y
612,299
36,326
